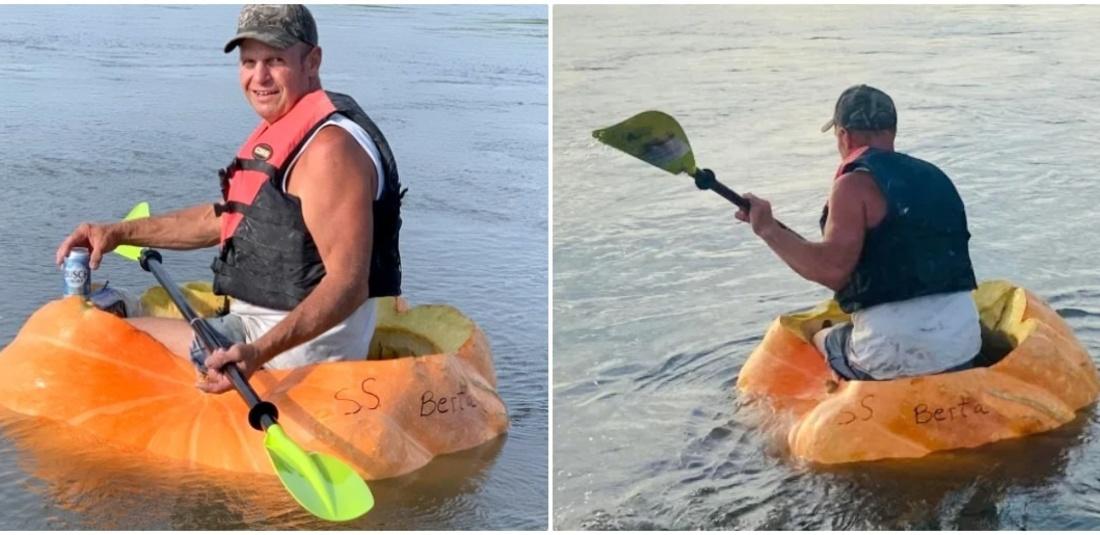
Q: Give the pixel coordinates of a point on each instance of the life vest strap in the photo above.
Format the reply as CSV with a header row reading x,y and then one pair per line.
x,y
230,207
256,165
225,174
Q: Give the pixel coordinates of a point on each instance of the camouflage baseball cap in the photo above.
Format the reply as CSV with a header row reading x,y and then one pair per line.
x,y
862,107
280,26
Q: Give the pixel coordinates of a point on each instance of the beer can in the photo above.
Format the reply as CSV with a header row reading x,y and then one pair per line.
x,y
78,274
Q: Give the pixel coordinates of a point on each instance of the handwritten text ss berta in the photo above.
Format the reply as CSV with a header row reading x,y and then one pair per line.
x,y
362,398
922,412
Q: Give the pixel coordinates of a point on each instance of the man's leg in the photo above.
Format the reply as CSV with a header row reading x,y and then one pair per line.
x,y
819,341
175,334
180,339
834,344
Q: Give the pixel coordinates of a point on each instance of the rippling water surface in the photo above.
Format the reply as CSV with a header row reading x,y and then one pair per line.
x,y
659,296
103,106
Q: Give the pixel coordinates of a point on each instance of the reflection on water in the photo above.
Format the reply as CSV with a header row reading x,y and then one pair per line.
x,y
660,296
726,479
89,484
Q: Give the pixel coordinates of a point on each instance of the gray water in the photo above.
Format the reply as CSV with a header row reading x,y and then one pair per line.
x,y
104,106
660,296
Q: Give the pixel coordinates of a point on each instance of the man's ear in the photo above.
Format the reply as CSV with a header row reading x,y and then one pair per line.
x,y
313,61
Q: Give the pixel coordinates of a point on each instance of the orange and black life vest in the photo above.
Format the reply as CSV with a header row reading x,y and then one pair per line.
x,y
268,257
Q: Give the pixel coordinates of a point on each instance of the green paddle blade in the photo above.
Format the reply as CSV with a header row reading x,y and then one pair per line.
x,y
653,137
322,484
139,211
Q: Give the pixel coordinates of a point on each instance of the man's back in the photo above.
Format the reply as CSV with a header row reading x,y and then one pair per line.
x,y
920,246
909,293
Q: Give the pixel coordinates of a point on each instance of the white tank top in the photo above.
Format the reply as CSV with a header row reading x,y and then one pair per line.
x,y
348,340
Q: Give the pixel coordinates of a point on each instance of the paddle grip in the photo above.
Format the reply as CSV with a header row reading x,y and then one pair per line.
x,y
261,414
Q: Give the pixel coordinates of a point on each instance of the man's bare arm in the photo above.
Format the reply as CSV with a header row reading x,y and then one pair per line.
x,y
189,228
829,262
335,180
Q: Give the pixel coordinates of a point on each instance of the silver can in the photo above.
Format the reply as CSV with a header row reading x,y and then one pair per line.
x,y
78,274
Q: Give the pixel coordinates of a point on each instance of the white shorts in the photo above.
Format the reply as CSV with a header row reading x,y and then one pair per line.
x,y
349,340
918,336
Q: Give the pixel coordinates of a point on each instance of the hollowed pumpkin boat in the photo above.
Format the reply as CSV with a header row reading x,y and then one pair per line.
x,y
428,389
1033,376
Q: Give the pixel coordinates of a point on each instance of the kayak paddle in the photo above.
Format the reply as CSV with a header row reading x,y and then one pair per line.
x,y
657,139
324,485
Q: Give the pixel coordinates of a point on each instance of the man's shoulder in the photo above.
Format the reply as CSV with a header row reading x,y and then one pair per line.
x,y
331,141
334,155
858,191
856,181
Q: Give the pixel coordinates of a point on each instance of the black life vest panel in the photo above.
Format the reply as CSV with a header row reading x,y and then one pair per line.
x,y
920,246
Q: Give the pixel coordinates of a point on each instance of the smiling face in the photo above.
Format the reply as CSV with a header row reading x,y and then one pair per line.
x,y
273,79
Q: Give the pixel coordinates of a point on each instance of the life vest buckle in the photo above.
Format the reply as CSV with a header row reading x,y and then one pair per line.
x,y
225,174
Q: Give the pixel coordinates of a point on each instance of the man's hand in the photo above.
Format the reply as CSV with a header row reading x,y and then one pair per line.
x,y
760,216
99,239
245,357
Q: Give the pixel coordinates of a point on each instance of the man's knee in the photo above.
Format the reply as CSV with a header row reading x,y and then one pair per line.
x,y
819,340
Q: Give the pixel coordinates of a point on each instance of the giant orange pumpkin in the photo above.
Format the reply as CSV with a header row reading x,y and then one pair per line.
x,y
432,392
1040,378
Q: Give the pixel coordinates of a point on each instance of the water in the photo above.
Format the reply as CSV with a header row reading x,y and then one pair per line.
x,y
105,106
660,296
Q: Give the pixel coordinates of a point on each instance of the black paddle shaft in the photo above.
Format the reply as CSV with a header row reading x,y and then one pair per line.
x,y
705,179
261,414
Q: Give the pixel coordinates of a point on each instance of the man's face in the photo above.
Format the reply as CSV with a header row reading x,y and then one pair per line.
x,y
274,80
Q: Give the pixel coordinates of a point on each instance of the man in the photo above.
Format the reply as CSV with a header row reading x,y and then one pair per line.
x,y
309,222
894,251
